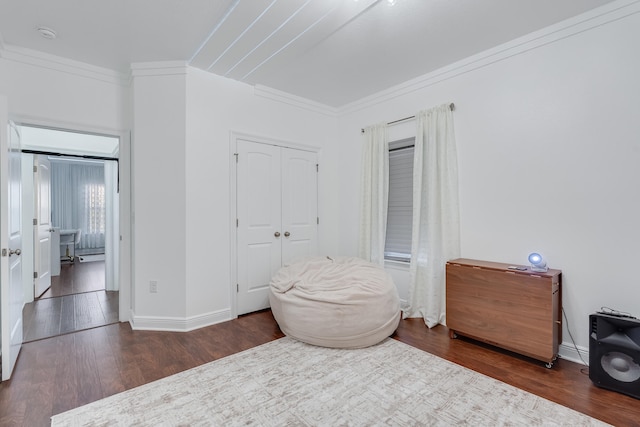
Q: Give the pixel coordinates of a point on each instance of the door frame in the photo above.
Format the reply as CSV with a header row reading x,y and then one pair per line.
x,y
233,212
125,262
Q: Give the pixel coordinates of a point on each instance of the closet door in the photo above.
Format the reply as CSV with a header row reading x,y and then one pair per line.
x,y
277,205
299,204
259,223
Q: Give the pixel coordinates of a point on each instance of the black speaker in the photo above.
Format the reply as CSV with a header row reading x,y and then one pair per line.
x,y
614,353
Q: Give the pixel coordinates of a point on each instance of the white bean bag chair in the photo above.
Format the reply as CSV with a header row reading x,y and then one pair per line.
x,y
335,302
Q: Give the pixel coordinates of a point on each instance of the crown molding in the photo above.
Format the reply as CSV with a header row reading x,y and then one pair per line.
x,y
297,101
594,18
64,65
162,68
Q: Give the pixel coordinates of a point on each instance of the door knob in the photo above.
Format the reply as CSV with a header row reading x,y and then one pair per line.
x,y
277,234
287,234
16,252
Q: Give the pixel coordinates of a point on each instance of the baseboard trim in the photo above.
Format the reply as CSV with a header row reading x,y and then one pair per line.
x,y
573,353
179,324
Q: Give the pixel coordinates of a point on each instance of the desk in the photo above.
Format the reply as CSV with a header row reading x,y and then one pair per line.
x,y
69,238
516,310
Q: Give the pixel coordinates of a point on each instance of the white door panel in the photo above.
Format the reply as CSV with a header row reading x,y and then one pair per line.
x,y
300,204
277,215
11,291
259,216
42,256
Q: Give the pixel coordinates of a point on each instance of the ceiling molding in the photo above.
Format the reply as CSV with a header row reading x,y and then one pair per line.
x,y
64,65
163,68
297,101
597,17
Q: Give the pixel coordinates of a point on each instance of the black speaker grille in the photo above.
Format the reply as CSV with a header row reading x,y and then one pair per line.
x,y
614,353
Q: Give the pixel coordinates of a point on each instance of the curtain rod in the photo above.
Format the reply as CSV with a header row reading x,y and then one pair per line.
x,y
78,156
452,107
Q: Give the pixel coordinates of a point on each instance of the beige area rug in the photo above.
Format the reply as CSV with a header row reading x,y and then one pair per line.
x,y
289,383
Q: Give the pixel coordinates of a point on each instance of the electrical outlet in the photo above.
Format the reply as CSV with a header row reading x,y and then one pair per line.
x,y
153,287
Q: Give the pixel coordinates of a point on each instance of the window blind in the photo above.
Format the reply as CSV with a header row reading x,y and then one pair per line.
x,y
400,209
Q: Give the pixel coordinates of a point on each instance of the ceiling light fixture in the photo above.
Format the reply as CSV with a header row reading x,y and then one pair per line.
x,y
47,33
391,2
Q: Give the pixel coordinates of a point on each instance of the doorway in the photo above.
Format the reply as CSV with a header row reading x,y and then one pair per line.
x,y
71,289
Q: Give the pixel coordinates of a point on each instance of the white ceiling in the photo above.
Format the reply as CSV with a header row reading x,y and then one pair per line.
x,y
330,51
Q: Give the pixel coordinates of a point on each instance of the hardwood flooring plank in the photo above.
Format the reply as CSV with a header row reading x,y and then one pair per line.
x,y
45,321
68,314
122,340
108,369
89,388
35,380
77,277
27,318
66,376
90,276
87,311
109,304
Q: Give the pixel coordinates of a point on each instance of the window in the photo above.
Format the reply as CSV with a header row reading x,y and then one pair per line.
x,y
400,212
95,208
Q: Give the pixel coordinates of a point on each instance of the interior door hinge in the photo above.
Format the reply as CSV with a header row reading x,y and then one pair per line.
x,y
237,287
35,221
35,169
317,168
317,220
35,274
236,154
237,222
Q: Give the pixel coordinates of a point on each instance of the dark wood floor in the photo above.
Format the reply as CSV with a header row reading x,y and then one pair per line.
x,y
49,317
61,373
75,301
76,278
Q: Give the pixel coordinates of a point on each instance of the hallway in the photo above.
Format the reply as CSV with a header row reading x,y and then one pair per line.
x,y
77,300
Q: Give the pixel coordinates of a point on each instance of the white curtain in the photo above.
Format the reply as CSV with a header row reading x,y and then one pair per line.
x,y
436,218
78,200
374,184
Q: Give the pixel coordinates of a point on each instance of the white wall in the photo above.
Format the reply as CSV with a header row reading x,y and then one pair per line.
x,y
183,119
548,142
62,94
159,202
56,92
